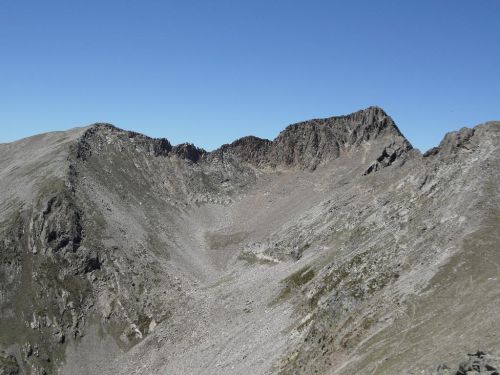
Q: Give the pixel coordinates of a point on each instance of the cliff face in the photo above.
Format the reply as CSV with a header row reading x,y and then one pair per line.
x,y
336,247
307,144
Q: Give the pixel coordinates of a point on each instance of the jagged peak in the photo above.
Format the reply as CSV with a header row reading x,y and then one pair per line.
x,y
104,125
243,142
373,110
108,128
308,143
374,115
460,141
366,115
327,138
452,143
155,146
189,151
370,122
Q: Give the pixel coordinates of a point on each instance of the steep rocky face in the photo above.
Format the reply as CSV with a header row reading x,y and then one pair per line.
x,y
309,143
335,248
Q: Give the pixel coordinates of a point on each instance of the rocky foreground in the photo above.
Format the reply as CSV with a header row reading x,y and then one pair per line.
x,y
336,248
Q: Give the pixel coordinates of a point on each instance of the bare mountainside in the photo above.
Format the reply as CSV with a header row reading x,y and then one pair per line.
x,y
337,248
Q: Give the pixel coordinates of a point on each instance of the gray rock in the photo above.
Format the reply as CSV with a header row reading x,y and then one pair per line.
x,y
8,365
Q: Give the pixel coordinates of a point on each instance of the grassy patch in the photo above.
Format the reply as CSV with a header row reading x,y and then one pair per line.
x,y
252,259
292,283
217,241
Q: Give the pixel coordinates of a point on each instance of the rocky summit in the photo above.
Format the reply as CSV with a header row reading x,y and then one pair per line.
x,y
336,248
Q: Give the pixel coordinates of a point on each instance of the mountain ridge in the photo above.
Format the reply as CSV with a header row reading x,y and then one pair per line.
x,y
121,253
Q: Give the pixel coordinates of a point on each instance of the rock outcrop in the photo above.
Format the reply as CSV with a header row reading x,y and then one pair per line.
x,y
477,364
307,144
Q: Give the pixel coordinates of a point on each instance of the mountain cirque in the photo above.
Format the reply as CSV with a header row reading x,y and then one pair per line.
x,y
337,248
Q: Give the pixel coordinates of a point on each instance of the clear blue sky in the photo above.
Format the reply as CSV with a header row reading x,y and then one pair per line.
x,y
209,72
